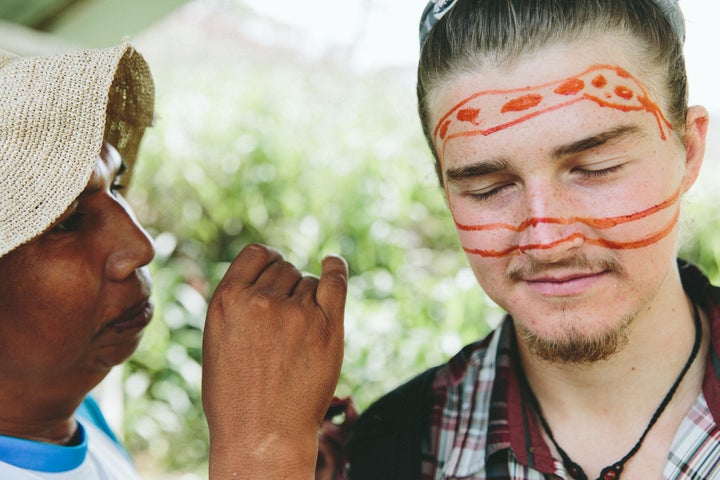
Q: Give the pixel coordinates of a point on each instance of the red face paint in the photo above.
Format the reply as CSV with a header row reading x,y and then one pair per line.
x,y
522,103
471,235
491,111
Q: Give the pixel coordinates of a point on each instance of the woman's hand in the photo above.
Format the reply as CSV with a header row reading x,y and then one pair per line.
x,y
272,353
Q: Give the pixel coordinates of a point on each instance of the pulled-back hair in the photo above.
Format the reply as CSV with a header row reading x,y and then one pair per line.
x,y
477,34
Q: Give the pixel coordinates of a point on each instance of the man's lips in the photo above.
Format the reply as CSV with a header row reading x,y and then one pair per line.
x,y
562,277
136,317
565,284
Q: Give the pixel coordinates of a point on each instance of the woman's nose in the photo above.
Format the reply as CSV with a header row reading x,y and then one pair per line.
x,y
133,247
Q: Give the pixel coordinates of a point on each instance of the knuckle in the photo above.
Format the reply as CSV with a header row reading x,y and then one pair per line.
x,y
262,301
337,281
256,249
288,268
232,300
297,313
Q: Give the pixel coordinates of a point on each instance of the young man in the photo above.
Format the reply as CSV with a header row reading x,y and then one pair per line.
x,y
564,145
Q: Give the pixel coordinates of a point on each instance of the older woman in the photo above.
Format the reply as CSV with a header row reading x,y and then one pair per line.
x,y
75,291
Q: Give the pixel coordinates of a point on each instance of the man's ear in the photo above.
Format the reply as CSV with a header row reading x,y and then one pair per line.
x,y
696,127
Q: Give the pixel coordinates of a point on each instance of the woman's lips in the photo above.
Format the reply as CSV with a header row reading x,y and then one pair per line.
x,y
135,318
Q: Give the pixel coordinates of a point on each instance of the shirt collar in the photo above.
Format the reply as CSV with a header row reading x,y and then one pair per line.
x,y
493,416
43,457
517,429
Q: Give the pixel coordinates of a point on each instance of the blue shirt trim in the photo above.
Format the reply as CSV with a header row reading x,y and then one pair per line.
x,y
51,458
43,457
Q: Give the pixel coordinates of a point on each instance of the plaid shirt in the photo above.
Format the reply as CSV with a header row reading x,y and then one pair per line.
x,y
481,426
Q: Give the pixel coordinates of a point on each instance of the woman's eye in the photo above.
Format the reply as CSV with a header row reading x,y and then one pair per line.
x,y
70,224
117,188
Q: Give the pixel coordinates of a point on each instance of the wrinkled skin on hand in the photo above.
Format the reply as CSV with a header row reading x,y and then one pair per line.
x,y
272,353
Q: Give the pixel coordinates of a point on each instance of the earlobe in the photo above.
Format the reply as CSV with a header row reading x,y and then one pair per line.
x,y
696,126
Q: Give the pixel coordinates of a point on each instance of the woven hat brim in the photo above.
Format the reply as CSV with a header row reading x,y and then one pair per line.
x,y
55,113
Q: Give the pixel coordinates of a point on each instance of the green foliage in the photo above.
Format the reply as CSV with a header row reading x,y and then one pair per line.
x,y
700,235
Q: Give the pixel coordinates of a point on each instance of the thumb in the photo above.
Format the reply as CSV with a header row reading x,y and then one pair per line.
x,y
332,288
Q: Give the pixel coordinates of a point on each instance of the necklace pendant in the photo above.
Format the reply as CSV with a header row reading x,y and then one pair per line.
x,y
611,473
576,471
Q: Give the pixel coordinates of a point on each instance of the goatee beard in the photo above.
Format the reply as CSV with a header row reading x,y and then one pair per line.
x,y
576,348
573,346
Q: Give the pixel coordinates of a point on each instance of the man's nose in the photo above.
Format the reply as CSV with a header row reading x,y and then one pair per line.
x,y
550,232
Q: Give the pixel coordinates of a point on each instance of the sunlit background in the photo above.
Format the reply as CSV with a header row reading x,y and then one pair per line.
x,y
293,123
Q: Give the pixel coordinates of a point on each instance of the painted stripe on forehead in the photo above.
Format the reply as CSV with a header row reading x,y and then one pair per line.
x,y
490,111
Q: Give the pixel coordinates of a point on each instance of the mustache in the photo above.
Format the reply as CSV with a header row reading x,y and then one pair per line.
x,y
578,261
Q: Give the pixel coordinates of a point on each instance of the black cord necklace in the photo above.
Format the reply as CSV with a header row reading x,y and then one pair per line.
x,y
612,472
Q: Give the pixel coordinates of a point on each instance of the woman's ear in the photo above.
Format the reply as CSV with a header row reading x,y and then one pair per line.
x,y
696,127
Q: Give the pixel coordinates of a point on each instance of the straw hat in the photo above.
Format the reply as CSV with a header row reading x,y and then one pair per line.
x,y
55,113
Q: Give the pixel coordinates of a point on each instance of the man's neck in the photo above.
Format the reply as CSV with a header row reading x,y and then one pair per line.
x,y
598,411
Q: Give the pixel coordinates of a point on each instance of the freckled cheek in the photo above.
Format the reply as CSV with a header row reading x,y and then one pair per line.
x,y
504,208
492,230
490,274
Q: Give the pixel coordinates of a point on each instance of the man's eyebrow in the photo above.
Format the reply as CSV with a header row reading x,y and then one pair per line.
x,y
477,169
596,140
495,165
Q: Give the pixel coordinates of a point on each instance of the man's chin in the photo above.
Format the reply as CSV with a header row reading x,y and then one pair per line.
x,y
575,348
